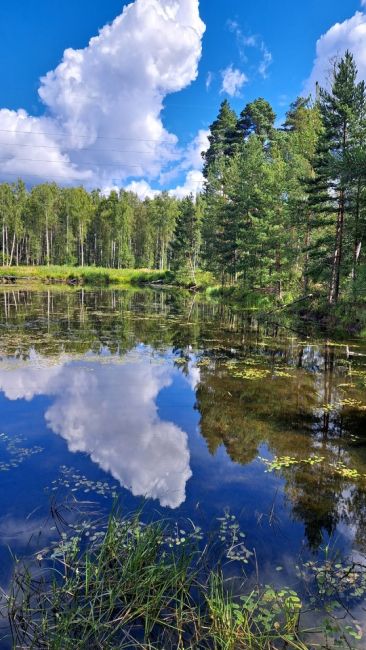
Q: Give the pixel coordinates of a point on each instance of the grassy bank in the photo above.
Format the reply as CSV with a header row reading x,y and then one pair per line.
x,y
139,586
80,275
348,317
91,275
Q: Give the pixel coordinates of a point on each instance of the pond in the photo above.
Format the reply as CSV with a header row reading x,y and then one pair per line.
x,y
188,408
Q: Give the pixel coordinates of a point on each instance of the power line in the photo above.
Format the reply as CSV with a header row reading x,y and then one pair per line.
x,y
91,164
99,137
46,146
42,176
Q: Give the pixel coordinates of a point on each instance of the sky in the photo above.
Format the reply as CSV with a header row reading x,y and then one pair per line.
x,y
110,94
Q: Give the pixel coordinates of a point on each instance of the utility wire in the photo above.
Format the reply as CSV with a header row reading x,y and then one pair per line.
x,y
46,146
99,137
42,176
91,164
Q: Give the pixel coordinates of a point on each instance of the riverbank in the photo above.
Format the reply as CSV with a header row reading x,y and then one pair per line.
x,y
346,318
77,275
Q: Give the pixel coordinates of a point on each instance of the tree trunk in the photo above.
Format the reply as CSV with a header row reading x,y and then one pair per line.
x,y
337,255
3,244
357,238
47,245
81,245
12,251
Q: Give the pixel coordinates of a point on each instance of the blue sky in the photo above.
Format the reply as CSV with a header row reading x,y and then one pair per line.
x,y
267,49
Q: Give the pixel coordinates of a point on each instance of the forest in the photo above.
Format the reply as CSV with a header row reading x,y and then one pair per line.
x,y
283,209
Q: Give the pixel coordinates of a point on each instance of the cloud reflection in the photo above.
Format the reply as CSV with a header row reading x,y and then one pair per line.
x,y
109,412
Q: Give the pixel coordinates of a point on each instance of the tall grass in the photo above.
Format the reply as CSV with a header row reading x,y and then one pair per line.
x,y
100,276
83,275
131,589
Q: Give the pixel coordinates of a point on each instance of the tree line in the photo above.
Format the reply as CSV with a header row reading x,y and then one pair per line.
x,y
286,207
283,208
55,225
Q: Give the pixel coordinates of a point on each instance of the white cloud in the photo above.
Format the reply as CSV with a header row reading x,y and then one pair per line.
x,y
351,35
191,164
363,3
232,81
101,413
193,155
103,103
193,185
142,189
265,61
253,41
209,79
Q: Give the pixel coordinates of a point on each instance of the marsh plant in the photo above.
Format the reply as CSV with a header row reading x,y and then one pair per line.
x,y
133,585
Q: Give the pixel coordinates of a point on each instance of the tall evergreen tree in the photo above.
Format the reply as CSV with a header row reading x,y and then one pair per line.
x,y
186,244
224,138
330,192
257,117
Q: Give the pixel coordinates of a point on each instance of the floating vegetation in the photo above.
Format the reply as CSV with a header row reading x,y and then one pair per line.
x,y
337,584
282,462
180,536
16,451
203,363
353,403
233,539
328,408
358,373
279,462
282,373
127,588
252,362
347,402
251,374
74,481
347,472
179,361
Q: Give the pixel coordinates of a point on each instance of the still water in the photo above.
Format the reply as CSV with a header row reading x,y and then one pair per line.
x,y
163,398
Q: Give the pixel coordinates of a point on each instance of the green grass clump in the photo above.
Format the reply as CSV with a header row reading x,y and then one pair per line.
x,y
89,275
131,588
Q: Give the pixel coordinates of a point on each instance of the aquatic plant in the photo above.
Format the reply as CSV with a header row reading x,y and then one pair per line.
x,y
129,587
17,453
278,463
73,481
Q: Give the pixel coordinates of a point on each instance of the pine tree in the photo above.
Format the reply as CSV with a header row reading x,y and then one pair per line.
x,y
330,192
224,138
186,243
257,117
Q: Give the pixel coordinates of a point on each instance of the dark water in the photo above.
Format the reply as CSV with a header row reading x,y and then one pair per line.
x,y
164,397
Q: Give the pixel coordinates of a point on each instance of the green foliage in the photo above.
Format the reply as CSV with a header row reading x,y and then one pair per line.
x,y
136,585
283,212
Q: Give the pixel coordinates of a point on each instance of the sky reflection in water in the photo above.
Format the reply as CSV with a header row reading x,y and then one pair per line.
x,y
175,401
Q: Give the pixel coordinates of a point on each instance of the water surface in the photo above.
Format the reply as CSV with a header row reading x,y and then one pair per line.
x,y
165,398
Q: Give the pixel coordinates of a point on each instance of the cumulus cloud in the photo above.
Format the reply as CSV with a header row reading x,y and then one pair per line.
x,y
232,81
193,185
101,413
103,103
141,188
191,164
351,35
193,155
